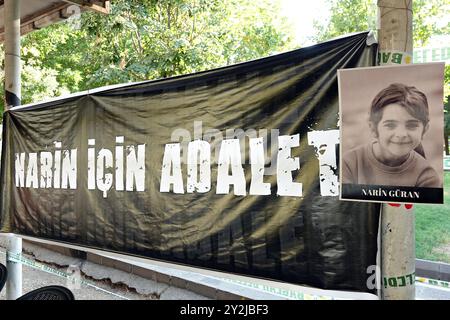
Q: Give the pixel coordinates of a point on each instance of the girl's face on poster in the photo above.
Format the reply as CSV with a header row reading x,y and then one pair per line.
x,y
398,133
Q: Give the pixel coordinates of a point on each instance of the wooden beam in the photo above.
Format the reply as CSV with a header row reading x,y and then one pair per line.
x,y
40,19
94,5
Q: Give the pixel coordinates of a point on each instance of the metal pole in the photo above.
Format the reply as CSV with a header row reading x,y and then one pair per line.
x,y
398,253
12,98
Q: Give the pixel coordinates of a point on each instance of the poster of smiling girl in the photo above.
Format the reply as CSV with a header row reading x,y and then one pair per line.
x,y
392,138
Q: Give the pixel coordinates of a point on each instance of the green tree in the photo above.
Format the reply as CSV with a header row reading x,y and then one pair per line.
x,y
149,39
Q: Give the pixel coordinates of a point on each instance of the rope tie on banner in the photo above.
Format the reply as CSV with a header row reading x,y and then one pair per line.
x,y
19,258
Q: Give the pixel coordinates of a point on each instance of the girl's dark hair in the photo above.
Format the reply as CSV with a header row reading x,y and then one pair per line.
x,y
413,100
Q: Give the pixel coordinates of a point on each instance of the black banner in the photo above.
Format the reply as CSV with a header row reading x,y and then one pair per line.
x,y
233,169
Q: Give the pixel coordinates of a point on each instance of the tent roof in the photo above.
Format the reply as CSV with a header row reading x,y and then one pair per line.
x,y
37,14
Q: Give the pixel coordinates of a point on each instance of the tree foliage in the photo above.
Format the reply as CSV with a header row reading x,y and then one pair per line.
x,y
148,39
430,17
347,16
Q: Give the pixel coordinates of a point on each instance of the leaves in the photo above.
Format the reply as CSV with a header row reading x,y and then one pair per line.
x,y
430,17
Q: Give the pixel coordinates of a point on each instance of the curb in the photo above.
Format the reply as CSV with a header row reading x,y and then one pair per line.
x,y
433,270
